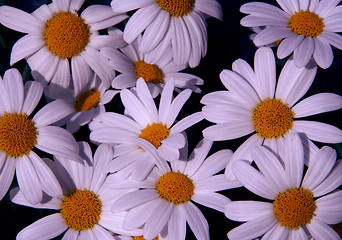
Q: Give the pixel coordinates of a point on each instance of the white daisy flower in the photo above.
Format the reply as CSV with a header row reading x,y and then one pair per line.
x,y
133,64
84,200
87,103
164,201
306,28
165,22
300,206
147,130
255,103
20,134
57,34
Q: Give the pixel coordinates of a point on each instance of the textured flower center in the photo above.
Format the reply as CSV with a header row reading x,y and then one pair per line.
x,y
142,238
177,8
272,118
294,208
18,134
81,209
149,72
155,133
66,34
307,23
87,100
175,187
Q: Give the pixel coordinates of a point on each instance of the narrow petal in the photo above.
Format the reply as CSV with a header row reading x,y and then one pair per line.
x,y
196,221
177,224
329,208
60,80
227,131
211,8
331,182
80,71
125,6
176,106
15,89
212,200
288,45
146,98
133,199
46,228
303,53
243,211
180,41
321,231
272,34
187,122
6,174
323,54
33,92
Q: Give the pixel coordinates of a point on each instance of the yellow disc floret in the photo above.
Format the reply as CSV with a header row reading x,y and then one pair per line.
x,y
66,34
307,23
87,100
294,208
142,238
175,187
149,72
81,209
272,118
18,134
177,8
155,133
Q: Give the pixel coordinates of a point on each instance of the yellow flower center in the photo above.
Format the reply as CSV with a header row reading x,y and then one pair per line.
x,y
66,34
175,187
87,100
142,238
307,23
272,118
18,134
294,208
155,133
177,8
149,72
81,209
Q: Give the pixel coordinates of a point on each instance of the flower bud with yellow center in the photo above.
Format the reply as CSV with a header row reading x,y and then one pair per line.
x,y
149,72
66,34
294,208
81,209
87,100
177,8
155,133
307,23
18,134
175,187
272,118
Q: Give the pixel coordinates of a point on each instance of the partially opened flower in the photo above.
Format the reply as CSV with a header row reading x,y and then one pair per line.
x,y
88,103
305,28
147,130
163,202
133,64
56,33
84,201
301,205
20,134
257,103
180,24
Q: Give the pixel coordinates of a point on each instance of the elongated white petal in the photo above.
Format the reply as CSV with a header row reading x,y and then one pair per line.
x,y
33,92
331,182
320,230
227,131
6,174
329,208
323,54
13,82
212,200
243,211
133,199
196,221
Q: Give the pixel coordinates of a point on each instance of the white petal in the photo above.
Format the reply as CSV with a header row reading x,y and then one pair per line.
x,y
211,8
19,20
331,182
187,122
323,54
97,13
320,230
212,200
168,153
288,45
133,199
46,228
303,53
125,6
176,106
180,41
15,89
177,224
272,34
196,221
26,46
215,183
33,92
113,119
60,80
329,208
318,131
333,39
6,173
80,74
243,211
146,98
227,131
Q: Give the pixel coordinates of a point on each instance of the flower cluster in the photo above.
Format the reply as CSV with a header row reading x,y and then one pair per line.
x,y
94,130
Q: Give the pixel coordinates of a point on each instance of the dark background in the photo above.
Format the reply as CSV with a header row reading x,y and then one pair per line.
x,y
227,41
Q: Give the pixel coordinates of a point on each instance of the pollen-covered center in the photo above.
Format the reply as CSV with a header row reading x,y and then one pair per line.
x,y
177,8
87,100
307,23
18,134
81,209
175,187
272,118
149,72
155,133
294,208
66,34
142,238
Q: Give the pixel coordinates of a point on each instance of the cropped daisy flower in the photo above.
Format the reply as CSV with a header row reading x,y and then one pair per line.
x,y
84,201
134,64
163,203
165,22
20,134
301,205
305,28
255,103
56,33
88,103
146,130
